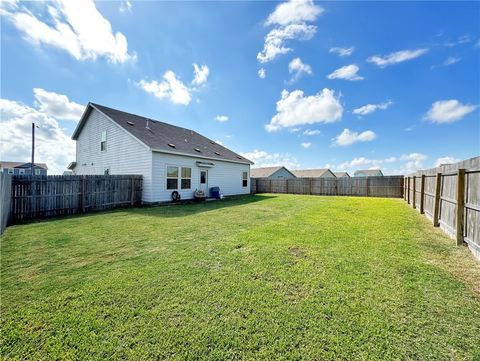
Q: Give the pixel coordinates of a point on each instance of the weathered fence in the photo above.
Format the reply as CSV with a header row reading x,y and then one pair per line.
x,y
450,197
5,198
34,197
388,186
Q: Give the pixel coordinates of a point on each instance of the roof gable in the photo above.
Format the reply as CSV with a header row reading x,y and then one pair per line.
x,y
265,172
312,173
9,164
164,137
368,172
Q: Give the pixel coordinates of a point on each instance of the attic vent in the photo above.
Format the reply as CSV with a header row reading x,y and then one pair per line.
x,y
130,123
212,142
239,157
217,153
171,145
197,150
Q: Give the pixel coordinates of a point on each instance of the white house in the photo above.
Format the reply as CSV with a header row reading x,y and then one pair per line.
x,y
170,158
278,172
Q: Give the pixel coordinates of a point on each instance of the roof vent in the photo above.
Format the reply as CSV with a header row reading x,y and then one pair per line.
x,y
217,153
130,123
239,157
197,150
171,145
212,142
147,126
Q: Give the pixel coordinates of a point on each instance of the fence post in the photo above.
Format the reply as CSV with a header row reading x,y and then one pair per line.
x,y
422,193
310,186
132,199
436,207
460,205
286,186
408,190
270,186
414,191
84,192
404,188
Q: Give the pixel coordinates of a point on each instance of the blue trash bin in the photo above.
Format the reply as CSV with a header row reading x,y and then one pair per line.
x,y
215,192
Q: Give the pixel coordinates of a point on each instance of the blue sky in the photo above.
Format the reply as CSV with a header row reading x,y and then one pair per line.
x,y
345,85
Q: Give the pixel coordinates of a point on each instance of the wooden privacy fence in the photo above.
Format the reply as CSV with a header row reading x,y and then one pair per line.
x,y
388,186
34,197
450,197
5,198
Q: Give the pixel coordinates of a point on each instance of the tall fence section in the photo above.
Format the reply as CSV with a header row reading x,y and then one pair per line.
x,y
34,197
5,199
388,186
450,197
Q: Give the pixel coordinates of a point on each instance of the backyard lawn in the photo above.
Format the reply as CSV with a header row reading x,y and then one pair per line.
x,y
255,277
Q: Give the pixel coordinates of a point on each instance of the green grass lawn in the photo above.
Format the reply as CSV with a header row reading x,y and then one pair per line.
x,y
255,277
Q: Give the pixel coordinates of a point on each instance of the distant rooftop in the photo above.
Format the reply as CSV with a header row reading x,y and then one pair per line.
x,y
10,164
311,173
368,173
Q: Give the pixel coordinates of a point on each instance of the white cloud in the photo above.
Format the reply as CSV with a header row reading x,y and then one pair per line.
x,y
342,51
294,11
348,72
200,74
290,20
221,118
306,145
446,160
219,142
294,109
396,57
125,6
76,27
298,68
448,111
264,159
311,132
449,61
262,73
414,162
294,130
370,108
275,40
57,105
464,39
52,145
170,88
348,137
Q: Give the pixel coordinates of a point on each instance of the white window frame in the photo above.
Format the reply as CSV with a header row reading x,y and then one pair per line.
x,y
167,177
185,178
10,171
245,179
103,141
38,172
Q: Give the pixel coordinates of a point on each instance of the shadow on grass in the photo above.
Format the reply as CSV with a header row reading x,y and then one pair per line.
x,y
163,210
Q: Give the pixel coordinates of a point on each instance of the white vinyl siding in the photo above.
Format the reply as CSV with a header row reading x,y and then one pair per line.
x,y
124,153
226,175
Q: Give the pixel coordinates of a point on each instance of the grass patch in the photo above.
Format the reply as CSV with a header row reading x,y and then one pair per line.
x,y
254,277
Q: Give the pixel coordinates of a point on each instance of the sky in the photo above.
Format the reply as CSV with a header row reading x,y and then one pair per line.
x,y
342,85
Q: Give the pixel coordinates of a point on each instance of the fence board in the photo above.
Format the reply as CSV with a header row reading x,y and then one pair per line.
x,y
447,209
35,197
388,186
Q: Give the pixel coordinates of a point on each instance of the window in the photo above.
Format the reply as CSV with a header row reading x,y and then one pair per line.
x,y
186,178
172,177
38,172
244,179
103,143
21,171
10,170
203,177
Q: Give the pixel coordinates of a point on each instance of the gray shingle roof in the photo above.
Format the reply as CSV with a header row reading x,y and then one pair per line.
x,y
263,172
160,136
9,164
311,173
368,173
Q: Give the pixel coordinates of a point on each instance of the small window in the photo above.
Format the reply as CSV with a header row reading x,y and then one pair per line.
x,y
38,172
172,177
186,181
106,171
10,171
21,171
244,179
103,143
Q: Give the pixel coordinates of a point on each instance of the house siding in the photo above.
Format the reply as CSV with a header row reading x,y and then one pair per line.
x,y
123,155
282,173
226,175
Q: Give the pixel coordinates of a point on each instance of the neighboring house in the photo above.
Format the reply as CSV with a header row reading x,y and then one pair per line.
x,y
169,158
314,173
20,168
272,173
368,173
341,174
